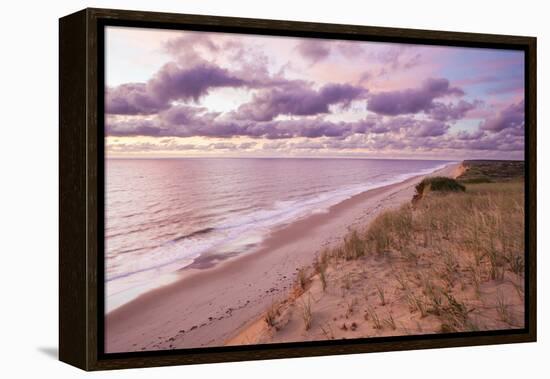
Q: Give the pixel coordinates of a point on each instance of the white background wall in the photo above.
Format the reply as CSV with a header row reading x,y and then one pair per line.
x,y
28,199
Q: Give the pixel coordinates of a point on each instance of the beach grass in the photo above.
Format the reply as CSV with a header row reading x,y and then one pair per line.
x,y
323,277
302,278
271,315
307,316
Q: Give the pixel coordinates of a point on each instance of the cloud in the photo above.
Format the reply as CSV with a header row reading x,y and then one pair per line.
x,y
400,126
430,129
275,145
511,117
187,115
244,60
247,145
501,141
174,83
132,127
470,136
223,146
131,99
190,41
314,50
412,100
401,134
141,147
171,82
307,145
191,48
285,129
394,57
389,57
453,111
297,98
191,121
350,49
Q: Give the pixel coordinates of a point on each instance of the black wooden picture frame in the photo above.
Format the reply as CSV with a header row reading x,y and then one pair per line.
x,y
81,188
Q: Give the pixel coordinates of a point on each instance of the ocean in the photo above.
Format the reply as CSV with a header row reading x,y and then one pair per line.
x,y
161,214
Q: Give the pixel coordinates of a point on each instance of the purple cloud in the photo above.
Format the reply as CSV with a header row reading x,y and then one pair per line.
x,y
410,126
447,112
284,129
396,57
275,145
247,145
499,141
313,50
190,42
470,136
131,99
296,98
188,121
430,129
412,100
402,125
400,133
188,49
223,146
511,117
187,115
390,57
172,82
134,127
350,49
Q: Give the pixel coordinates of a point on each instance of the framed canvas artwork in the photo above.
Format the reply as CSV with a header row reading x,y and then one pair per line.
x,y
235,189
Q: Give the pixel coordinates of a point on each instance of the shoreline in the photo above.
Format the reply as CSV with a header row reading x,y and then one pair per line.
x,y
214,302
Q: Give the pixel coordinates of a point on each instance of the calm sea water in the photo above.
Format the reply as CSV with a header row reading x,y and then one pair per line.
x,y
161,214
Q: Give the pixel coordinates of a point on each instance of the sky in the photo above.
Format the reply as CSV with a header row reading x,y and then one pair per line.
x,y
193,94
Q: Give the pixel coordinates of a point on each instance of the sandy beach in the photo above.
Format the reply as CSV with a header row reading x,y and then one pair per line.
x,y
215,300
